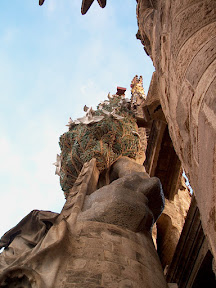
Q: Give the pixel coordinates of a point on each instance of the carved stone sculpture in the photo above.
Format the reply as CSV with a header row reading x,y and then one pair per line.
x,y
102,237
27,233
106,134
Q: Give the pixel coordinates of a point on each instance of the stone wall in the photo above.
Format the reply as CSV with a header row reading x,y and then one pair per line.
x,y
180,38
104,255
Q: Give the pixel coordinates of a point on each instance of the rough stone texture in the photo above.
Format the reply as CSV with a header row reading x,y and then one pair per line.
x,y
138,98
178,208
168,228
28,232
172,285
106,255
180,38
124,167
162,162
124,203
192,262
87,248
170,224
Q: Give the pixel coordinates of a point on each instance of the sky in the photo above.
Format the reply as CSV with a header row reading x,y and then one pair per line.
x,y
53,62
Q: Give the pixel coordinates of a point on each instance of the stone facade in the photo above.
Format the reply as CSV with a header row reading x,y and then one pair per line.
x,y
104,255
180,38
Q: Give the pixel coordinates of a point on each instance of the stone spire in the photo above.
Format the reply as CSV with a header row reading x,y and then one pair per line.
x,y
138,99
137,91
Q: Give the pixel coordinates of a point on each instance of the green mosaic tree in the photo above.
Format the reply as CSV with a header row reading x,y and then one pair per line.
x,y
105,134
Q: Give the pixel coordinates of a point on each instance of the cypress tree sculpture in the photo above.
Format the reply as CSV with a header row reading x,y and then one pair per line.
x,y
105,134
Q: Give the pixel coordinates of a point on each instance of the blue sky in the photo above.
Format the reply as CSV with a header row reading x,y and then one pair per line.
x,y
53,62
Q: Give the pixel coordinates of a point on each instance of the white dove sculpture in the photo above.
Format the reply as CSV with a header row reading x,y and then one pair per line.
x,y
72,123
112,114
89,118
109,96
124,102
58,165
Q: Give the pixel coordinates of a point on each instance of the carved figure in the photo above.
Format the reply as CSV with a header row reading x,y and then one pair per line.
x,y
72,123
90,117
27,233
138,95
57,164
102,237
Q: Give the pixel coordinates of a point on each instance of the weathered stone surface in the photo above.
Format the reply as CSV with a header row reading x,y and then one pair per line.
x,y
124,201
172,285
26,234
125,166
180,38
127,262
113,249
163,163
170,225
